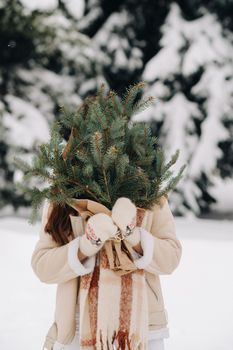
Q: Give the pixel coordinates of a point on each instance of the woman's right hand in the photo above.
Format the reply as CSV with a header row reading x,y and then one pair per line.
x,y
99,228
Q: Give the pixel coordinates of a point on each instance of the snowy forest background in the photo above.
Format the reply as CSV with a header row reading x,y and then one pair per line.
x,y
56,52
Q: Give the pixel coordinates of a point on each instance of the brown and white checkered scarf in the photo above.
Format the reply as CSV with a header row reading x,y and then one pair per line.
x,y
113,301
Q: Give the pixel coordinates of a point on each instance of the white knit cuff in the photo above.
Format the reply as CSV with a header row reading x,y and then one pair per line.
x,y
75,264
135,237
147,244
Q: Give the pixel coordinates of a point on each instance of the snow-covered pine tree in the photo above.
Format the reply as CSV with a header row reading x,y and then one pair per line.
x,y
192,76
106,156
45,62
123,58
127,33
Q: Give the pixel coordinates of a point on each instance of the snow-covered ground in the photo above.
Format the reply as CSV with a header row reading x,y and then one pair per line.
x,y
198,295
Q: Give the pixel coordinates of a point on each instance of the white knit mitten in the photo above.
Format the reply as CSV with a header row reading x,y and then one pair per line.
x,y
124,214
99,228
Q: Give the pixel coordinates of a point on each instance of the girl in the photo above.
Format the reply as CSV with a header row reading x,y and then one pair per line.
x,y
107,267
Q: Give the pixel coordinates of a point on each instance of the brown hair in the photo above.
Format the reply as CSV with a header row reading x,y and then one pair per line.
x,y
59,224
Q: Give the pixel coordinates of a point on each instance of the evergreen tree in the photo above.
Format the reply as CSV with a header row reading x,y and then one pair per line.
x,y
192,77
127,33
43,63
106,155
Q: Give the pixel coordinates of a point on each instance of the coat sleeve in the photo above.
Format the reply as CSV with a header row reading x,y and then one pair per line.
x,y
57,264
161,248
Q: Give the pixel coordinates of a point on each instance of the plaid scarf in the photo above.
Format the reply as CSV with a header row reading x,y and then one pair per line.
x,y
113,299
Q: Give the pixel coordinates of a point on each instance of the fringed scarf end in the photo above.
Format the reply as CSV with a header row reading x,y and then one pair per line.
x,y
123,341
120,340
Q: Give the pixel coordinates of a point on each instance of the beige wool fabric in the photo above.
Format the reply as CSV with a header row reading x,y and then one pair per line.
x,y
113,298
55,264
113,309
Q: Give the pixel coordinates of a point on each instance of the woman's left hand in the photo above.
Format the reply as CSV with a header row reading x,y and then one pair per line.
x,y
124,214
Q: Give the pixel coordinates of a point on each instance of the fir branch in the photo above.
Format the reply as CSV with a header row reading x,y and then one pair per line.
x,y
129,97
84,187
142,105
105,157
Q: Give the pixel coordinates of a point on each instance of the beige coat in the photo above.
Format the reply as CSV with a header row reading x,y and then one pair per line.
x,y
60,265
